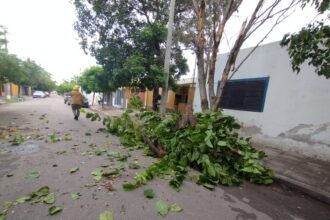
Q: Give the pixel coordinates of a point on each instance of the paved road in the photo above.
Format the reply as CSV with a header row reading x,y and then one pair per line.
x,y
39,118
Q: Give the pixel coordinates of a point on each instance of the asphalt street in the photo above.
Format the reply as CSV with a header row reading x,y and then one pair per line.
x,y
54,143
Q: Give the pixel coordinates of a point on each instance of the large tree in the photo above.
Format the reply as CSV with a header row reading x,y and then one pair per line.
x,y
128,39
204,25
89,80
311,43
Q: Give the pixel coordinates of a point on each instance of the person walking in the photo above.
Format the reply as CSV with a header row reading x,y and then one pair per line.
x,y
77,101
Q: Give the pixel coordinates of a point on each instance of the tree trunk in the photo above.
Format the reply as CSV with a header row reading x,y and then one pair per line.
x,y
93,98
200,56
155,98
202,92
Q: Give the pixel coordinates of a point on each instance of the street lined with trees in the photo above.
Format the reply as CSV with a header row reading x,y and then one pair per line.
x,y
23,72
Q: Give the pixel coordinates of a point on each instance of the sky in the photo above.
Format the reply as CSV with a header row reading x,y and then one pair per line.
x,y
42,30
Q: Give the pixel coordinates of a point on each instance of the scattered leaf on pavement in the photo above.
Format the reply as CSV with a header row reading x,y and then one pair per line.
x,y
53,138
128,186
23,199
18,139
7,205
67,138
176,208
162,208
55,209
74,169
33,174
75,196
133,166
64,152
88,134
42,191
106,215
9,174
89,185
49,199
149,193
3,215
97,174
4,136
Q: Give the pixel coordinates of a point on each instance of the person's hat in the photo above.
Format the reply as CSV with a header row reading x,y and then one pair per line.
x,y
76,87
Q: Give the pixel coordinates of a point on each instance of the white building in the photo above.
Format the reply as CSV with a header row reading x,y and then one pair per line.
x,y
276,106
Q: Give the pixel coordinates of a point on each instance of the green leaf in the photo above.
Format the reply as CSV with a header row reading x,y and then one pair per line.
x,y
89,185
133,166
33,174
97,178
211,170
176,208
7,205
106,215
67,138
3,215
88,134
149,193
23,199
18,139
222,143
97,174
61,152
55,209
74,169
42,191
162,208
49,199
208,186
75,196
267,181
128,186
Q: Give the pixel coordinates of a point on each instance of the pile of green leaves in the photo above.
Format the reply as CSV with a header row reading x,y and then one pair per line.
x,y
213,147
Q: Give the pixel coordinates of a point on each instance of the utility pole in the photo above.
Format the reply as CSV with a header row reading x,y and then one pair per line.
x,y
167,58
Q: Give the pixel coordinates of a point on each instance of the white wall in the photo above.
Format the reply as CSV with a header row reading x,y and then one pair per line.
x,y
296,113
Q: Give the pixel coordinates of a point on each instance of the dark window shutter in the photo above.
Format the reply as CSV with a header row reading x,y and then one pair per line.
x,y
245,94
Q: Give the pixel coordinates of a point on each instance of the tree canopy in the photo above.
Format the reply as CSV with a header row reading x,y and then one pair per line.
x,y
127,38
90,79
312,43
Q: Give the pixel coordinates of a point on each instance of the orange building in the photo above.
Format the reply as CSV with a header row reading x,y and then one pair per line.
x,y
176,101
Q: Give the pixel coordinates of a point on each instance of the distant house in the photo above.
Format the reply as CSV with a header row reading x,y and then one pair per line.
x,y
176,101
11,89
276,106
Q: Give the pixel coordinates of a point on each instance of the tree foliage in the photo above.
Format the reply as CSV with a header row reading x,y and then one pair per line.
x,y
90,78
127,38
212,146
65,87
311,43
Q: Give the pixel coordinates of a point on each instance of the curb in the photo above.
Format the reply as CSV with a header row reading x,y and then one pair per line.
x,y
313,192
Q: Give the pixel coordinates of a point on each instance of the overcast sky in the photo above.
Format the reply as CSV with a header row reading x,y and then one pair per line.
x,y
43,31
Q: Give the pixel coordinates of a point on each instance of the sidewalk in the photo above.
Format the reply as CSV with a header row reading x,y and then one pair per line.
x,y
106,110
308,175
